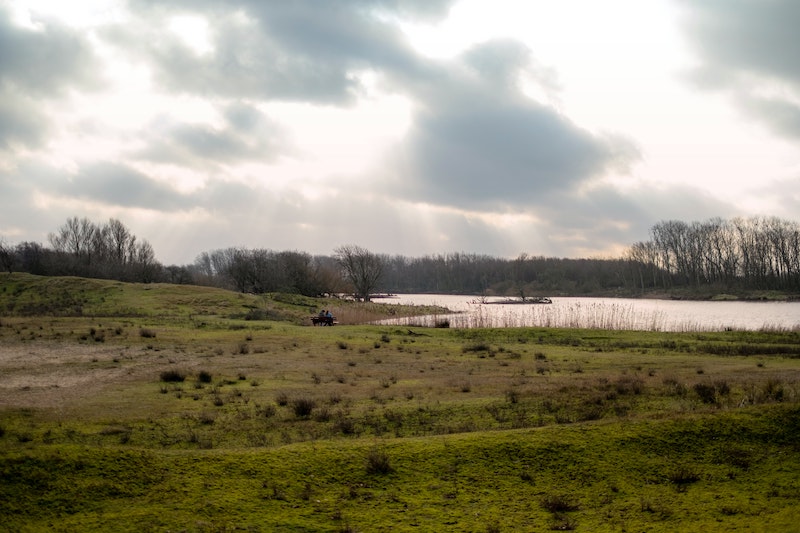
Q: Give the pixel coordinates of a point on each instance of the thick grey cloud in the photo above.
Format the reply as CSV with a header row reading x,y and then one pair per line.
x,y
41,63
748,47
44,60
119,185
21,123
478,142
247,134
275,50
746,36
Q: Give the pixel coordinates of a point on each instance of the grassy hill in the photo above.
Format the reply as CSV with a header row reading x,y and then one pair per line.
x,y
162,408
28,295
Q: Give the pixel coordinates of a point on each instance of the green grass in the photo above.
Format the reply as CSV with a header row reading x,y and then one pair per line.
x,y
278,426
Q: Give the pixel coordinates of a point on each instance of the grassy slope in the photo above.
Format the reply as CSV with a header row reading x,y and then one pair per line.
x,y
27,295
719,473
621,447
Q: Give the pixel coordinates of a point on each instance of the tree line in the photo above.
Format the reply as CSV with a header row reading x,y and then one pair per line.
x,y
81,247
746,254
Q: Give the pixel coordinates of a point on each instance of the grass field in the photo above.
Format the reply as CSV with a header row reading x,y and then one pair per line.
x,y
165,408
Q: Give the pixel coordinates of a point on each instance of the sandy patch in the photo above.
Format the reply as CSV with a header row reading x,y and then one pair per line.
x,y
53,374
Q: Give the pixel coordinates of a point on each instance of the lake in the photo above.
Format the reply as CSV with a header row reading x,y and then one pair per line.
x,y
606,313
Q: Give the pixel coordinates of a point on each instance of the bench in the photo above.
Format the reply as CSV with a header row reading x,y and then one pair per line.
x,y
324,320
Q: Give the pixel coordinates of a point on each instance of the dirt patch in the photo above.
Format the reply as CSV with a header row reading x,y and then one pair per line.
x,y
52,374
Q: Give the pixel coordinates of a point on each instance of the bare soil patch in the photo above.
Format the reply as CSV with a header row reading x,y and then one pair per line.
x,y
52,374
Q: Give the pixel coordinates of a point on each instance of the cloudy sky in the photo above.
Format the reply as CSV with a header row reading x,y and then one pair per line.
x,y
408,127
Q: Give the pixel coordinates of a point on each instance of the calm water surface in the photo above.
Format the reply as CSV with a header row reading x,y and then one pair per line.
x,y
608,313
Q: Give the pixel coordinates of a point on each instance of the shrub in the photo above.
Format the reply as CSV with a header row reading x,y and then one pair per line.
x,y
773,390
147,333
343,424
204,376
378,462
476,347
173,376
512,396
206,418
303,406
282,399
627,385
722,386
683,475
706,392
558,503
267,411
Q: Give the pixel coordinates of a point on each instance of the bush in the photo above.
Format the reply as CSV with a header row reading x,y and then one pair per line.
x,y
204,376
267,411
558,503
476,347
147,333
683,475
706,392
282,399
173,376
512,396
377,462
773,390
302,407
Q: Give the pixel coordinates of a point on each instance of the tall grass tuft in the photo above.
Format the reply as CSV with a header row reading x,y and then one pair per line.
x,y
378,462
558,503
303,406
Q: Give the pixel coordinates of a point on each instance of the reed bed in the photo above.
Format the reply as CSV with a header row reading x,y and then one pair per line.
x,y
580,315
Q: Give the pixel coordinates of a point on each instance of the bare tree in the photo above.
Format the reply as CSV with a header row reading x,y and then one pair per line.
x,y
75,237
6,256
361,267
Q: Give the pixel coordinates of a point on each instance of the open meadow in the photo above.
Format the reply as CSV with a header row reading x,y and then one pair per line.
x,y
127,407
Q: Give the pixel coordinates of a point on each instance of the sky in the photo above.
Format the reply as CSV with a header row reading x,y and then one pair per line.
x,y
412,127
